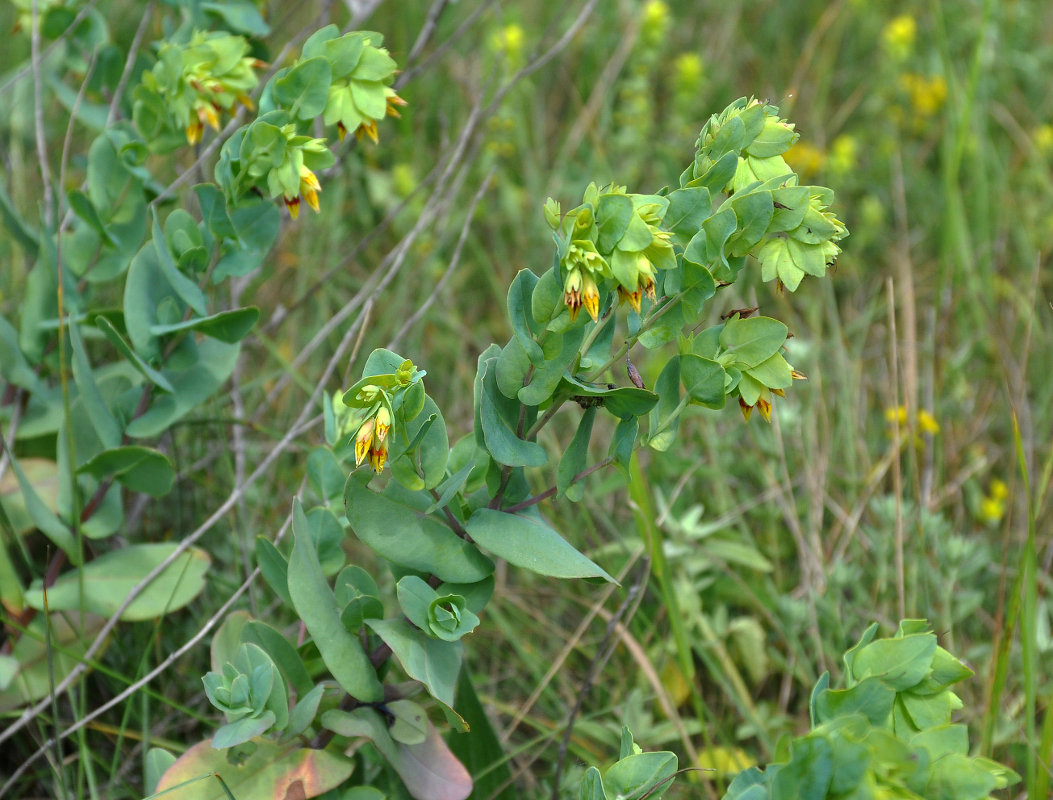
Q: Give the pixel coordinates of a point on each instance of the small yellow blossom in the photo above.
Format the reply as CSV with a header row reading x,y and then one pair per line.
x,y
927,423
805,159
998,490
927,95
896,416
688,71
844,152
508,41
991,510
898,36
1043,138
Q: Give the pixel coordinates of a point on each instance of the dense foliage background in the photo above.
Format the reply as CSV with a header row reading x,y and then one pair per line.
x,y
887,485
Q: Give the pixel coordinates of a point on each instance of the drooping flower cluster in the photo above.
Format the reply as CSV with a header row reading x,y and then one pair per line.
x,y
285,160
613,240
370,408
192,84
360,90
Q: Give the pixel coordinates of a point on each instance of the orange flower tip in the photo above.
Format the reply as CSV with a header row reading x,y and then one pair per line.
x,y
779,392
591,302
765,409
309,180
745,409
246,101
312,200
632,298
368,129
377,457
341,130
259,64
293,204
799,376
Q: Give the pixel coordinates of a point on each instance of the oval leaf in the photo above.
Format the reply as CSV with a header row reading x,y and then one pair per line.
x,y
530,543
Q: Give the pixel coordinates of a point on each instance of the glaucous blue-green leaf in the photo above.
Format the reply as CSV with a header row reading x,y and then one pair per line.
x,y
754,212
141,469
357,594
316,605
214,211
640,774
560,350
242,16
443,616
774,372
275,568
524,326
304,89
433,662
154,376
752,340
303,713
870,697
102,419
592,786
325,475
664,418
613,215
281,652
227,326
328,535
703,380
429,441
512,368
499,417
790,205
184,287
719,174
546,301
103,584
808,774
530,543
43,516
624,402
403,535
13,365
146,286
901,663
575,458
191,386
688,208
410,725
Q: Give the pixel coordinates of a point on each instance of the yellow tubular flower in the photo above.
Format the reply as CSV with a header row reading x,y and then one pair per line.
x,y
364,442
393,101
633,298
309,188
590,296
572,293
383,419
377,456
368,129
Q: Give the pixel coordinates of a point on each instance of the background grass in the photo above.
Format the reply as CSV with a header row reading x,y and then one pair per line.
x,y
775,545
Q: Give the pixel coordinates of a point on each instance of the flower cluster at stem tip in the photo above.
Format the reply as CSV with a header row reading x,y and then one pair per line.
x,y
628,265
197,81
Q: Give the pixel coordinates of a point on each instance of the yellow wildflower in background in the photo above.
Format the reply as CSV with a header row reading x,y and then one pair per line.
x,y
896,416
927,95
898,36
844,153
927,423
992,506
806,159
1043,138
509,42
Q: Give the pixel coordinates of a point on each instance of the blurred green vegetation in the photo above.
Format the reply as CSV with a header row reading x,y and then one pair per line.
x,y
887,485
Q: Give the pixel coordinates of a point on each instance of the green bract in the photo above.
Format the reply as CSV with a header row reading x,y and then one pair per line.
x,y
361,72
190,85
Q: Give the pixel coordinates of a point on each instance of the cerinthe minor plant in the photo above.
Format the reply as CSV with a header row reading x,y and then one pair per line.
x,y
377,667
